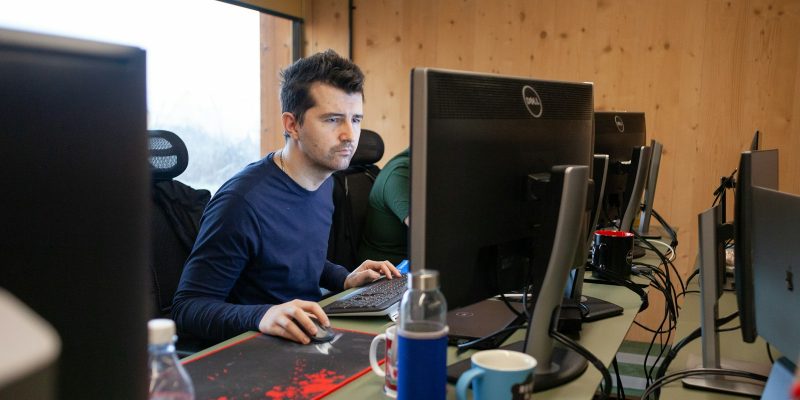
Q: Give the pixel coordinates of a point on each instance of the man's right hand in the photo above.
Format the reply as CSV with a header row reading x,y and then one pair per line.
x,y
285,319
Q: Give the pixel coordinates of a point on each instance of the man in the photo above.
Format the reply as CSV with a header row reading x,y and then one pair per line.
x,y
386,226
259,258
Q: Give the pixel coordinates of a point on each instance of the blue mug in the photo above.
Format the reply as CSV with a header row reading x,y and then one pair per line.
x,y
498,375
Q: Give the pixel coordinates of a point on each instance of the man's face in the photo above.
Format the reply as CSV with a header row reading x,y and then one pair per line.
x,y
329,134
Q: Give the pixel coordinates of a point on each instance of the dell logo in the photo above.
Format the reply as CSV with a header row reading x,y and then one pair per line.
x,y
620,124
532,101
464,314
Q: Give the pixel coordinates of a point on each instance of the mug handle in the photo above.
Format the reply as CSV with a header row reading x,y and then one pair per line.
x,y
464,381
373,356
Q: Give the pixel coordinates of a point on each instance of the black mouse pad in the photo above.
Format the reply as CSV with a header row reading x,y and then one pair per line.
x,y
267,367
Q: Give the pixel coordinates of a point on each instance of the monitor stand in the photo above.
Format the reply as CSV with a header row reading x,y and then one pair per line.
x,y
565,365
712,232
556,365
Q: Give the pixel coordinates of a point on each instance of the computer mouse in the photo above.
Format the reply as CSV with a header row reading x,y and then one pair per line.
x,y
324,334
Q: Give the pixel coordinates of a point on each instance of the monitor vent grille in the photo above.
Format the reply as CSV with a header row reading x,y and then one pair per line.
x,y
459,96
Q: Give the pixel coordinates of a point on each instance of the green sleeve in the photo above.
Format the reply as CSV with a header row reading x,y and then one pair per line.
x,y
396,192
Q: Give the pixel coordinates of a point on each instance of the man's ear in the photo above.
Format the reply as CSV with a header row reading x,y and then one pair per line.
x,y
290,124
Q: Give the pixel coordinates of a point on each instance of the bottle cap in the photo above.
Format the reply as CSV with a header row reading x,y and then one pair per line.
x,y
426,279
160,331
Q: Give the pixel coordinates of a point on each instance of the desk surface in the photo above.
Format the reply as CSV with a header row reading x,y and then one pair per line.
x,y
602,338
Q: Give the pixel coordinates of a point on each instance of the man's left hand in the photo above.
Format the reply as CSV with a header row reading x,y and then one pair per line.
x,y
369,271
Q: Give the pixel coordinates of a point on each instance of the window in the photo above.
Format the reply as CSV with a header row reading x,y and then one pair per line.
x,y
202,69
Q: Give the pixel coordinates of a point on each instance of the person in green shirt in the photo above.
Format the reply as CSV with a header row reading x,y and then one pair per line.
x,y
385,234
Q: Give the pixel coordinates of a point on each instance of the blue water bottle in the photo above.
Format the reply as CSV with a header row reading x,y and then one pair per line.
x,y
422,339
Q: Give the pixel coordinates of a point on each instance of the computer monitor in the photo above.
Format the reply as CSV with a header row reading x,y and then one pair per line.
x,y
644,228
756,168
479,143
756,142
75,222
619,135
483,149
776,268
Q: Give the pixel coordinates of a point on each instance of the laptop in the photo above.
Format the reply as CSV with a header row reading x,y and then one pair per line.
x,y
483,319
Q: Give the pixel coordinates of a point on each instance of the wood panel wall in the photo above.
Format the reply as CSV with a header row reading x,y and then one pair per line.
x,y
276,54
706,73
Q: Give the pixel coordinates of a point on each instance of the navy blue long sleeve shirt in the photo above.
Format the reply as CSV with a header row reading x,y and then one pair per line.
x,y
263,240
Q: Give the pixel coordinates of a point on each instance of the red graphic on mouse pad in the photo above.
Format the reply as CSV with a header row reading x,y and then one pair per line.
x,y
271,368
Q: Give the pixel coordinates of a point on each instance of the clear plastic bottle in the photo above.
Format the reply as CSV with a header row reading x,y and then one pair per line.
x,y
422,339
168,378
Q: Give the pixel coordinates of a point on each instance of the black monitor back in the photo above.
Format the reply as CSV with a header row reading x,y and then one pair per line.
x,y
776,216
756,168
73,153
617,134
477,140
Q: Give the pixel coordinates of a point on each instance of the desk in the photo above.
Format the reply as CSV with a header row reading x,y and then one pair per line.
x,y
731,345
602,338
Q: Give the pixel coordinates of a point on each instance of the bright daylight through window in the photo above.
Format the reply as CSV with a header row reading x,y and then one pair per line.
x,y
202,69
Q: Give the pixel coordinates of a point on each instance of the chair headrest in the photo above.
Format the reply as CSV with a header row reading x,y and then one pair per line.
x,y
168,155
370,149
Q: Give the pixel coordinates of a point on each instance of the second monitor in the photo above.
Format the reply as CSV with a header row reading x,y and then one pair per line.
x,y
482,149
621,135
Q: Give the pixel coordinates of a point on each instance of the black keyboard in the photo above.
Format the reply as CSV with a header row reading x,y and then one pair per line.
x,y
378,298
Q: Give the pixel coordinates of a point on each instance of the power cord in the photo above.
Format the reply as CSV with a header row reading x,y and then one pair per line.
x,y
576,347
656,386
462,347
620,388
662,369
632,286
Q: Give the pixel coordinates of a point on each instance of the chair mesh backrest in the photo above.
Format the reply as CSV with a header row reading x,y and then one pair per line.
x,y
168,155
370,149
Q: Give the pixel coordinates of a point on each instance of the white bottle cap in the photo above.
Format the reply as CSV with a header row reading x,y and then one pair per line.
x,y
160,331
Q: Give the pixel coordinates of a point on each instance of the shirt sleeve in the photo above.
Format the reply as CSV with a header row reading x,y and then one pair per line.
x,y
226,240
396,192
333,277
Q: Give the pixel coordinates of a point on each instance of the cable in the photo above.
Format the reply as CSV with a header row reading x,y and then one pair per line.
x,y
669,248
688,339
694,273
632,286
662,281
673,236
769,354
670,314
462,347
620,388
575,346
655,386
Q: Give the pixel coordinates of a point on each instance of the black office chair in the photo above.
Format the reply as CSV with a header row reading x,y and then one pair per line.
x,y
351,199
176,213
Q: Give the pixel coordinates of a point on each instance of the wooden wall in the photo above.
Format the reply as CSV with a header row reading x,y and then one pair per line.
x,y
706,73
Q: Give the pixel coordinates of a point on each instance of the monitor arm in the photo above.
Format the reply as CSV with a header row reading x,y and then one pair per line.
x,y
558,365
642,157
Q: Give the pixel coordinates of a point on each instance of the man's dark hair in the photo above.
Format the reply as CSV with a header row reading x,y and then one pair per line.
x,y
325,67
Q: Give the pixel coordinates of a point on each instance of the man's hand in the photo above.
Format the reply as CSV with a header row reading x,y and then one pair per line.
x,y
370,271
285,319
